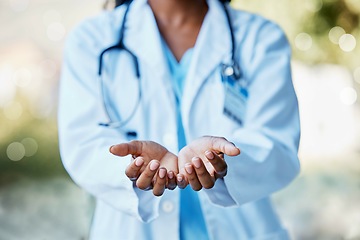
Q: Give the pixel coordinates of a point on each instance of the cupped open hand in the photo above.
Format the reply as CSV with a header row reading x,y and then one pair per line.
x,y
200,163
153,166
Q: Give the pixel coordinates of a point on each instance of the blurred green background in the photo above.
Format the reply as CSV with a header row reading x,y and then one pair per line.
x,y
39,201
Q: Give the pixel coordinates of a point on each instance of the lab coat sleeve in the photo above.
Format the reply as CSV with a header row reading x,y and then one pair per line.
x,y
84,145
270,136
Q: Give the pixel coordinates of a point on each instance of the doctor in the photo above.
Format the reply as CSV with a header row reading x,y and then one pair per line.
x,y
169,87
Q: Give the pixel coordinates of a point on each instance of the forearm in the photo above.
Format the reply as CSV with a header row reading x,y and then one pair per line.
x,y
102,174
263,167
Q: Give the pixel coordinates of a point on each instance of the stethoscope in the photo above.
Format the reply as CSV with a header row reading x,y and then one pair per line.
x,y
228,71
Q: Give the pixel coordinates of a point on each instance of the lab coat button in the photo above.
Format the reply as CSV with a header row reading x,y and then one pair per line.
x,y
167,206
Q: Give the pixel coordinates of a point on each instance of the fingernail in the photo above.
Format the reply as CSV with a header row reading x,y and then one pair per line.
x,y
171,175
139,162
188,168
133,179
209,155
179,178
162,172
154,165
196,162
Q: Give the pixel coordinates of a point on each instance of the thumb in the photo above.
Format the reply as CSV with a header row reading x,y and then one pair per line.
x,y
220,144
123,149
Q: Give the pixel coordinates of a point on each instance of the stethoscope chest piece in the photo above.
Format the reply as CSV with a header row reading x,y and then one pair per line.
x,y
231,70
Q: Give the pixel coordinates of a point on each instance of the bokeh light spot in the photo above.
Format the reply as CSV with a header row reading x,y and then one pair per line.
x,y
348,96
313,5
15,151
303,41
22,77
30,145
335,33
19,5
7,87
13,110
355,7
357,75
56,31
347,42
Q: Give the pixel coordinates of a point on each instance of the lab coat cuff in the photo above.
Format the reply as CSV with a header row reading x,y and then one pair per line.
x,y
250,179
219,194
225,192
148,205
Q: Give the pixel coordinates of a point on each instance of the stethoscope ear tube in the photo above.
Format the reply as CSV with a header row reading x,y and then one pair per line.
x,y
119,46
101,56
233,69
231,32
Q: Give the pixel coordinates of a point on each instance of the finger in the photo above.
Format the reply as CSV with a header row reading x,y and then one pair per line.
x,y
181,181
218,164
160,182
133,170
192,177
205,179
220,144
123,149
171,185
145,179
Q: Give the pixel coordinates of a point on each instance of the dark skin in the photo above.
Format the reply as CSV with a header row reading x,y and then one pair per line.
x,y
179,22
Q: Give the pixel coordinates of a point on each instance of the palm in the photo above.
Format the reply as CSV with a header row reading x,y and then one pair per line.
x,y
148,150
152,150
198,147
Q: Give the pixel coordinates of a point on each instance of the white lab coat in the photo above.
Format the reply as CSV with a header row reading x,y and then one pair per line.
x,y
238,207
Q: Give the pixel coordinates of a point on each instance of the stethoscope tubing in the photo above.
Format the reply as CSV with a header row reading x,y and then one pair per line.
x,y
231,69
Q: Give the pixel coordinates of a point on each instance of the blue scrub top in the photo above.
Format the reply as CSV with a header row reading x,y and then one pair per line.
x,y
192,223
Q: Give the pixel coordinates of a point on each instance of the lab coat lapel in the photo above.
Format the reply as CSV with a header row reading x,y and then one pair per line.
x,y
212,48
143,38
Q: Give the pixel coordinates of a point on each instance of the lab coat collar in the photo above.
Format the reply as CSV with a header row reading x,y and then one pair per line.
x,y
143,37
213,46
